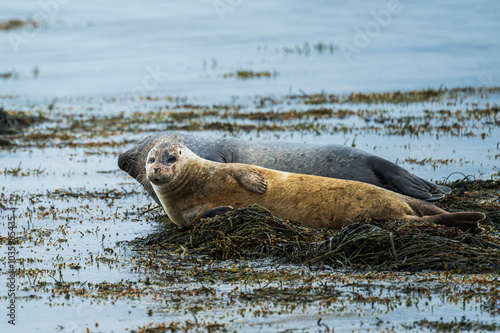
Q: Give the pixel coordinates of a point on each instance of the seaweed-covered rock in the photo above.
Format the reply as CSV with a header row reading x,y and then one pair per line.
x,y
12,123
9,123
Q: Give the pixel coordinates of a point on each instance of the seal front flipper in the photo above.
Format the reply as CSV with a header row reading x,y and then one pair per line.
x,y
250,179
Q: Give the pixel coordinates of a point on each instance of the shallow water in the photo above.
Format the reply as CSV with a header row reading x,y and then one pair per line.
x,y
97,59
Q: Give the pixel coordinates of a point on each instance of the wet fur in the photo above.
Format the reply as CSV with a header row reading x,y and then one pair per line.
x,y
334,161
192,186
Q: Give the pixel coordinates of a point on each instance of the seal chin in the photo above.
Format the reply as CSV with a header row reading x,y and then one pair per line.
x,y
163,179
155,179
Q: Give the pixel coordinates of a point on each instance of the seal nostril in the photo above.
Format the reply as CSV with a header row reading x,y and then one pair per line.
x,y
157,169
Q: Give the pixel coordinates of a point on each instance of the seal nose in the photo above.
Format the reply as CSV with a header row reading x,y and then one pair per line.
x,y
156,170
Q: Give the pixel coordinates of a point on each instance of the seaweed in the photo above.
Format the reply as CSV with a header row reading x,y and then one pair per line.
x,y
254,232
16,24
13,122
396,97
246,74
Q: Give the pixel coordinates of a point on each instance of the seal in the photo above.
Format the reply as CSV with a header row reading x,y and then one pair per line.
x,y
190,187
333,161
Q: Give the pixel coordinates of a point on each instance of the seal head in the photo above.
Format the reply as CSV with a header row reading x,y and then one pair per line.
x,y
169,171
162,165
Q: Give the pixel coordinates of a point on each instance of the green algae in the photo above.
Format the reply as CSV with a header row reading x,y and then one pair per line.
x,y
397,97
463,324
9,75
17,24
306,48
247,74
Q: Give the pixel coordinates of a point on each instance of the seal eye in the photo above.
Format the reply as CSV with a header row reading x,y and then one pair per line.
x,y
152,160
171,159
180,152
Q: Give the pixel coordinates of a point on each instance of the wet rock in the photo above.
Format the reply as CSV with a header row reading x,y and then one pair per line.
x,y
9,124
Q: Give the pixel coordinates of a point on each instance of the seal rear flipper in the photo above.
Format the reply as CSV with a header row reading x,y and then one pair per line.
x,y
435,188
251,179
397,179
462,220
419,188
444,189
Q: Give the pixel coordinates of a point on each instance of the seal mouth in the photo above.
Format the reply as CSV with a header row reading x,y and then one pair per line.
x,y
155,176
154,180
160,178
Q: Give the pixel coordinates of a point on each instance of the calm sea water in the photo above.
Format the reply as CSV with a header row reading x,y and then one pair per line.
x,y
109,48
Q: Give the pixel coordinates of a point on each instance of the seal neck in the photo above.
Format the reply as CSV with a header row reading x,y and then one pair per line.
x,y
185,180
